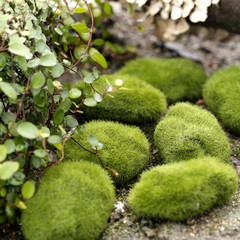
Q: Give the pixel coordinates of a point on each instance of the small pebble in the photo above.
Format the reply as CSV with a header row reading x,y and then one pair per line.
x,y
149,232
144,221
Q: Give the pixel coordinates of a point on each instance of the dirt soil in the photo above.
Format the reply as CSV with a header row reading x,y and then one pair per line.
x,y
214,52
221,222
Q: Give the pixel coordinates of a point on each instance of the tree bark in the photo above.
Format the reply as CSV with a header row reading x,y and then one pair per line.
x,y
226,15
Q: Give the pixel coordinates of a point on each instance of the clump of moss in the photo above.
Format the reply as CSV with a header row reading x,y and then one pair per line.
x,y
221,93
139,103
125,148
74,201
183,190
189,131
179,79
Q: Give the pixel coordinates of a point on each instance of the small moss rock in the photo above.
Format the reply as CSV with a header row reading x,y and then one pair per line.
x,y
179,191
179,79
74,201
139,103
188,131
125,148
221,93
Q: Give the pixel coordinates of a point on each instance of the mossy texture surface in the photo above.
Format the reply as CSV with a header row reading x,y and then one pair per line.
x,y
179,79
125,148
222,94
139,103
74,201
179,191
188,131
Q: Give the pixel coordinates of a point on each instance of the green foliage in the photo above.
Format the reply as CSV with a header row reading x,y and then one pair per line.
x,y
35,108
221,93
183,190
103,39
189,131
126,149
178,78
74,201
135,102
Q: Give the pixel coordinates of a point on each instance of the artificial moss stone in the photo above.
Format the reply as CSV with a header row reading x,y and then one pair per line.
x,y
139,103
183,190
188,131
74,201
222,94
179,79
125,148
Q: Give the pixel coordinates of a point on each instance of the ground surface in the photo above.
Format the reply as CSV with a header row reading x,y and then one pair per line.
x,y
219,223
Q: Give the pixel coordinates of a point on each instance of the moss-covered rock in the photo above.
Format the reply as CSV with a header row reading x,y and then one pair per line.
x,y
125,148
222,94
74,201
188,131
183,190
179,79
139,103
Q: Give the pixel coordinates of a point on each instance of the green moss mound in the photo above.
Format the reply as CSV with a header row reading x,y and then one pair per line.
x,y
74,201
183,190
125,148
221,93
179,79
189,131
140,103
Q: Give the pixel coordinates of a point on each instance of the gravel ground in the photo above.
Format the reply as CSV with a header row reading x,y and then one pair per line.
x,y
211,52
221,222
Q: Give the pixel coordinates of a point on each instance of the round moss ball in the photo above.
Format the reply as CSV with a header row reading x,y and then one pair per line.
x,y
136,103
179,191
125,148
188,131
179,79
74,201
222,94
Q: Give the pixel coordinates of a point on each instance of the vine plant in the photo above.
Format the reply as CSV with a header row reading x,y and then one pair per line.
x,y
37,113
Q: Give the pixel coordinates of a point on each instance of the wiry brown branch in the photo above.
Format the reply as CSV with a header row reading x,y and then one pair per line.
x,y
58,161
19,156
114,172
89,41
19,109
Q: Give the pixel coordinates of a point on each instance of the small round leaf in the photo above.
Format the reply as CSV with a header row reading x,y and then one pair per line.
x,y
93,140
7,169
36,162
58,117
39,153
98,97
8,90
41,46
33,63
48,60
90,102
74,93
89,78
57,70
38,80
54,139
27,130
3,152
72,122
10,145
19,49
28,189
